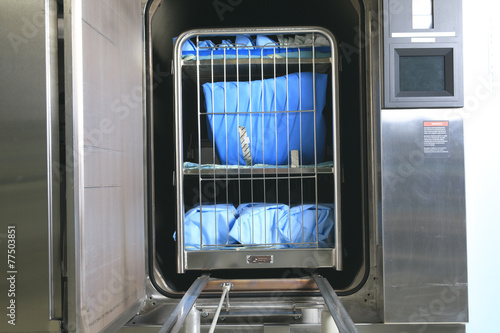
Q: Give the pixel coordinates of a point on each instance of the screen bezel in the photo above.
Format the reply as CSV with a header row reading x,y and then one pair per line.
x,y
446,53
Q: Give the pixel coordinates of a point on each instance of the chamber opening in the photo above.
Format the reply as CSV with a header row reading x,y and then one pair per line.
x,y
170,20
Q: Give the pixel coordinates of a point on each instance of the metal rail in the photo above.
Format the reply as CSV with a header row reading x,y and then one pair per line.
x,y
176,319
226,286
339,314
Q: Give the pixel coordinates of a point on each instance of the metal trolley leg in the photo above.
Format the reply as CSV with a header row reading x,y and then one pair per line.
x,y
192,323
339,314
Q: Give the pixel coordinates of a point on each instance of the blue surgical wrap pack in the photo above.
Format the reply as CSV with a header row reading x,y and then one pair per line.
x,y
301,226
259,223
275,225
214,220
265,110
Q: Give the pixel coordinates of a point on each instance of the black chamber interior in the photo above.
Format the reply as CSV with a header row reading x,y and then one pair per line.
x,y
174,17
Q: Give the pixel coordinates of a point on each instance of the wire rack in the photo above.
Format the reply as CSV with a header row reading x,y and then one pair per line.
x,y
257,147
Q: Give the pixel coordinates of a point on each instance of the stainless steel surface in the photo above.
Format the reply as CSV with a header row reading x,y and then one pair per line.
x,y
105,228
216,70
276,328
419,241
339,314
192,322
316,328
423,203
177,317
53,163
414,328
28,183
282,258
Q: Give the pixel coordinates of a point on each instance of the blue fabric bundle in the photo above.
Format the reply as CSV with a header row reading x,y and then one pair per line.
x,y
301,227
216,221
259,224
271,135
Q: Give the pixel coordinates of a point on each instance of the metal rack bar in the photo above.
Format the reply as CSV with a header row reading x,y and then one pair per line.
x,y
226,286
295,172
339,314
176,319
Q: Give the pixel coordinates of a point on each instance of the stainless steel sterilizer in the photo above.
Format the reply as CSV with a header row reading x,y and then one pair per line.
x,y
232,165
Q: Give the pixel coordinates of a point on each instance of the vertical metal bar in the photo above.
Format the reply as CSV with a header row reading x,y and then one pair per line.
x,y
198,102
315,139
213,140
276,142
199,137
251,131
237,134
178,152
262,115
227,156
213,106
300,148
288,142
336,153
53,192
224,115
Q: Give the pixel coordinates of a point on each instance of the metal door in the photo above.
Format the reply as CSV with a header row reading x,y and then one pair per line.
x,y
29,196
106,264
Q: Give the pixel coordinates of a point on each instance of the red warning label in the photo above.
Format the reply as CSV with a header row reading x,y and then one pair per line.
x,y
436,139
435,123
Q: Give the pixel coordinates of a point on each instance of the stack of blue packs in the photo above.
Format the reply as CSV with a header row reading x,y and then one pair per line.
x,y
275,225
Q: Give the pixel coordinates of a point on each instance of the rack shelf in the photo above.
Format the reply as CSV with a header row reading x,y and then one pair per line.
x,y
259,171
215,68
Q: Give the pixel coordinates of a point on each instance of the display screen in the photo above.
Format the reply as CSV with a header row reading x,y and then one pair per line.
x,y
422,73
